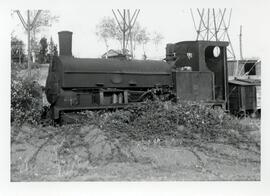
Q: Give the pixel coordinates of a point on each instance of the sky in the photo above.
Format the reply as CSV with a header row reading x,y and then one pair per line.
x,y
173,22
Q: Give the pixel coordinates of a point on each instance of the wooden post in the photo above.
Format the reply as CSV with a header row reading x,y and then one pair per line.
x,y
240,42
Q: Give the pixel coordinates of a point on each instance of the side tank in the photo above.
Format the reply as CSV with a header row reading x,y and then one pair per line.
x,y
85,83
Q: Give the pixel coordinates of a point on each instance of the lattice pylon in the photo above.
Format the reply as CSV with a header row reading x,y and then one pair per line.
x,y
213,26
28,27
126,21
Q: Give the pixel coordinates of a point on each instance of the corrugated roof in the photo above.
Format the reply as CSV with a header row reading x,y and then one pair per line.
x,y
245,83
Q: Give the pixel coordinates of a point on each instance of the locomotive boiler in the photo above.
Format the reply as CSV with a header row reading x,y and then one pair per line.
x,y
194,70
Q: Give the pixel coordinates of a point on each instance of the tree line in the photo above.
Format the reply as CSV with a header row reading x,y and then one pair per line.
x,y
35,22
43,52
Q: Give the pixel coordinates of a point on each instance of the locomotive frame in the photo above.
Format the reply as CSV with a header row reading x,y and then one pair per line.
x,y
191,71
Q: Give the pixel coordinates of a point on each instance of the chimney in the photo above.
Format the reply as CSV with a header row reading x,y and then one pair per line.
x,y
65,43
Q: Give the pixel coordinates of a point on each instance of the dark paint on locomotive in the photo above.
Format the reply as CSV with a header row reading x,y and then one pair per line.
x,y
83,83
199,55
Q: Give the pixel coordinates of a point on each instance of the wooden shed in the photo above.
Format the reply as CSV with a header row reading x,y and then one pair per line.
x,y
243,96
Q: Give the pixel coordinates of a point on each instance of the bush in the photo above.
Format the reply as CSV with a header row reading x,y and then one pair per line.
x,y
17,50
15,67
26,99
192,123
151,120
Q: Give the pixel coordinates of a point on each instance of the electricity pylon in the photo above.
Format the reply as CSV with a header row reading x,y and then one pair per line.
x,y
28,26
126,21
213,26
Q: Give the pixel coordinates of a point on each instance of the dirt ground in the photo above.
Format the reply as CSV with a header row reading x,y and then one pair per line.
x,y
44,154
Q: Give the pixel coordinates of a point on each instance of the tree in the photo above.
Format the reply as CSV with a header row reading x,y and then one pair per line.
x,y
107,29
55,51
157,38
43,50
17,50
135,31
142,38
51,46
52,50
45,19
35,20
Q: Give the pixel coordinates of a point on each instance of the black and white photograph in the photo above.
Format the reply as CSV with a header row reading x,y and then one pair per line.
x,y
164,92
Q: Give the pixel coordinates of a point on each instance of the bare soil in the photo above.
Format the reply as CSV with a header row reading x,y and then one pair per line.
x,y
45,154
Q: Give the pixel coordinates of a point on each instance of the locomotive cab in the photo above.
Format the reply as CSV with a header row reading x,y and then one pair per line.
x,y
200,72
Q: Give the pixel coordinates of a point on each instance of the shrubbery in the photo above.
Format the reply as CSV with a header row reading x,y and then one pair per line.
x,y
15,67
26,99
186,121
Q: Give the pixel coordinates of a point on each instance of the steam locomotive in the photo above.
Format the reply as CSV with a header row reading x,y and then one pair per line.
x,y
192,70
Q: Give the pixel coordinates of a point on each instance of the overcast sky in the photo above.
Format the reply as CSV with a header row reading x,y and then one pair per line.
x,y
173,21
